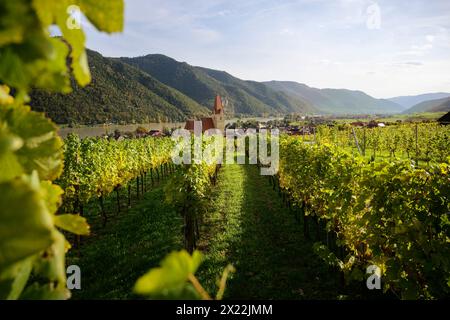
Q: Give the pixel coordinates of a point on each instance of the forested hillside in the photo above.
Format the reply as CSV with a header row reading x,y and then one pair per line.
x,y
202,84
409,101
438,105
118,93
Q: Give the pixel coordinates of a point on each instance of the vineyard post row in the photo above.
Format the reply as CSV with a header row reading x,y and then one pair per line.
x,y
424,142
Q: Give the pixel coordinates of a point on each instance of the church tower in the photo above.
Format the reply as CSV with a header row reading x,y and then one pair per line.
x,y
218,114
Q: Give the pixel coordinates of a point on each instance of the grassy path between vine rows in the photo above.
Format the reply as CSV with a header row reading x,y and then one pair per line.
x,y
248,227
132,242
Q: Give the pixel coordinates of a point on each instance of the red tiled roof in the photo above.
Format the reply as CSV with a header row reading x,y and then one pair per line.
x,y
189,125
207,123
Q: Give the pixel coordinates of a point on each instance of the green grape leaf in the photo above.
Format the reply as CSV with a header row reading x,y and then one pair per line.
x,y
10,13
52,195
105,15
42,147
76,40
30,57
46,10
81,69
9,164
51,262
14,279
72,223
30,149
57,77
52,73
5,98
171,276
45,292
12,70
25,223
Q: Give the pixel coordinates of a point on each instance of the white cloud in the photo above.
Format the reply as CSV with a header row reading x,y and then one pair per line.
x,y
205,35
430,38
406,64
286,32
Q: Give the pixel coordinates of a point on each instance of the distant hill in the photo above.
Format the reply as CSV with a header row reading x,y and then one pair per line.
x,y
409,101
118,93
202,84
438,105
336,101
157,88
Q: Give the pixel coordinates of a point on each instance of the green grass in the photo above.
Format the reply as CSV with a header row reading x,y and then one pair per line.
x,y
248,227
113,257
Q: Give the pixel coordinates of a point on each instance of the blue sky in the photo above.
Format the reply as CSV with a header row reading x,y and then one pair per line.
x,y
385,48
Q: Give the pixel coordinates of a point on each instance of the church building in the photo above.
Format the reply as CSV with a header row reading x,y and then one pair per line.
x,y
217,120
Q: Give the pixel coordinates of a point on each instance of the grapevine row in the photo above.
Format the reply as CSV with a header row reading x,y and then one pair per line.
x,y
394,215
187,191
94,168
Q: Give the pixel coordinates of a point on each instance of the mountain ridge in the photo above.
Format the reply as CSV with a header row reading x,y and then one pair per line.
x,y
118,93
202,84
155,88
412,100
437,105
337,101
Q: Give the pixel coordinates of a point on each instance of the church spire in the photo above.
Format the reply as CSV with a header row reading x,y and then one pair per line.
x,y
218,108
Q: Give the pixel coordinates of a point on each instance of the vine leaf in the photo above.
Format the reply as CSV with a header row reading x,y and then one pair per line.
x,y
105,15
14,279
9,164
72,223
42,147
51,264
22,208
5,98
171,276
45,292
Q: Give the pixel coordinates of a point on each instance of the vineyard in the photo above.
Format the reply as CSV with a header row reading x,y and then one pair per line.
x,y
424,143
94,168
347,209
390,213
